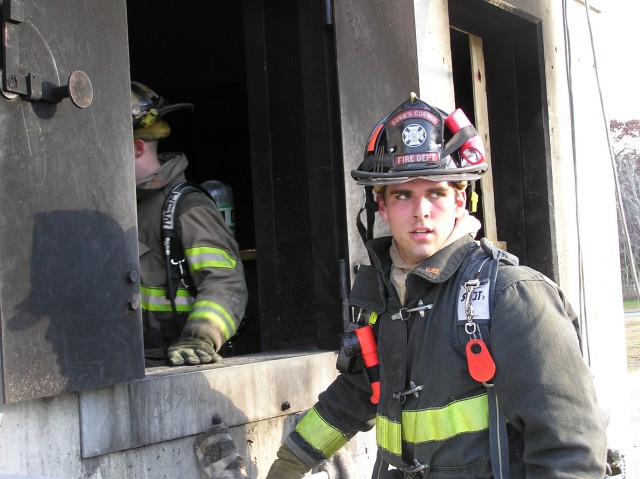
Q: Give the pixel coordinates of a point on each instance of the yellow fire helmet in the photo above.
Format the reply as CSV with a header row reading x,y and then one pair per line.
x,y
147,110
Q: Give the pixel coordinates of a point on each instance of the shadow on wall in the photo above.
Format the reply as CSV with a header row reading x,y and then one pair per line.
x,y
74,330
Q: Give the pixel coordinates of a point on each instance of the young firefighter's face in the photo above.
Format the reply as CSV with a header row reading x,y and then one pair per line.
x,y
421,215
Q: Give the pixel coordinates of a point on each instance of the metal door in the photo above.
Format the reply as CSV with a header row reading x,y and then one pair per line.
x,y
69,287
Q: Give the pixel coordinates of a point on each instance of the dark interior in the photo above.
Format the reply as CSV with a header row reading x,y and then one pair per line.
x,y
195,53
262,78
203,65
516,97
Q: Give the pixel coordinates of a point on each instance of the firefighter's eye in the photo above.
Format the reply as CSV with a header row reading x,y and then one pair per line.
x,y
439,193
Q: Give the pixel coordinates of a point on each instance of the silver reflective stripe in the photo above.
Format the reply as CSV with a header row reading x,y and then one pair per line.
x,y
155,299
215,313
205,257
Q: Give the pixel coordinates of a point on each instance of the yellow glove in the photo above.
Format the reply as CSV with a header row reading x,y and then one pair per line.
x,y
192,349
287,466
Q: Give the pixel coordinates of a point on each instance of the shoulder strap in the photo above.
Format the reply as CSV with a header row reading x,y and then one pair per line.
x,y
175,261
480,270
479,276
171,202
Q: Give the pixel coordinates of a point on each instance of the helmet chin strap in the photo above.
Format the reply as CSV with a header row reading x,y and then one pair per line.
x,y
371,206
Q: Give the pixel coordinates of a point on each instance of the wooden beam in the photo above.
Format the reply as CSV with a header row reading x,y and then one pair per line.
x,y
482,125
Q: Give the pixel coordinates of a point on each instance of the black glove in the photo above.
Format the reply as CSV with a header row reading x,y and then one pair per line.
x,y
193,349
217,453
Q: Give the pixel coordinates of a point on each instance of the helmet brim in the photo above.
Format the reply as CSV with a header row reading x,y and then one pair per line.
x,y
174,107
467,173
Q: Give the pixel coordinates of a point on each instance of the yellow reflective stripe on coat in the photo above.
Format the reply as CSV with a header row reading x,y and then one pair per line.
x,y
154,298
319,434
459,417
205,257
214,312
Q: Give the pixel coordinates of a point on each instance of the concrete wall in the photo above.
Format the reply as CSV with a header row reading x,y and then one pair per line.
x,y
147,428
434,53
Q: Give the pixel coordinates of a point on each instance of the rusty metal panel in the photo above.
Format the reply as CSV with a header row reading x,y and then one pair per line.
x,y
69,286
377,69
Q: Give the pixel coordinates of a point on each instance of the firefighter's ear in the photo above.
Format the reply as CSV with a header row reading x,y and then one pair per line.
x,y
382,207
138,148
461,201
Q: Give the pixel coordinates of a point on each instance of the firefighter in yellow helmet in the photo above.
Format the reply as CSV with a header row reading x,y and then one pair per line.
x,y
191,308
415,363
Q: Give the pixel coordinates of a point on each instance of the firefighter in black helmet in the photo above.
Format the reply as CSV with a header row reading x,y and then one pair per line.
x,y
444,402
191,324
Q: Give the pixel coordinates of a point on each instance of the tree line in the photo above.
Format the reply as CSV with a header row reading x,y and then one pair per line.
x,y
625,142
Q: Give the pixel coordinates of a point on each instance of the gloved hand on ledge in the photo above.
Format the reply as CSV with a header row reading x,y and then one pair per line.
x,y
193,349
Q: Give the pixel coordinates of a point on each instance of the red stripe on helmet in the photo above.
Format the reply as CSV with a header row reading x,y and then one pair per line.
x,y
374,138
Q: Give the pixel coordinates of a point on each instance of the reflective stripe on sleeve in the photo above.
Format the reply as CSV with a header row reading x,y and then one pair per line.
x,y
319,434
155,299
459,417
205,257
388,435
215,313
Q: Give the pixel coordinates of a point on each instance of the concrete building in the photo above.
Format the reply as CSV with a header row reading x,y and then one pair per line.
x,y
286,94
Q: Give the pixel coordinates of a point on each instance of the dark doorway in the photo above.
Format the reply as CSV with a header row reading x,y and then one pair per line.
x,y
517,111
194,52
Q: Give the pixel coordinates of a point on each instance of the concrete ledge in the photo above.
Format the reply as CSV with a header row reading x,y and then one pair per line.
x,y
170,403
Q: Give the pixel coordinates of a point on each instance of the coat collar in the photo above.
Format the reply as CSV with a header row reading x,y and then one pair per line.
x,y
436,269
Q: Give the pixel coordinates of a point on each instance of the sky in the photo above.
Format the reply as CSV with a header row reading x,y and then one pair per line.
x,y
617,58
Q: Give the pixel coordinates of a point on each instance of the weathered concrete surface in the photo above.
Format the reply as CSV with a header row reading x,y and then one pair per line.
x,y
181,402
634,391
632,323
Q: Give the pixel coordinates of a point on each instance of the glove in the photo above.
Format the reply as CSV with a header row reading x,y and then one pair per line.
x,y
287,466
217,454
193,349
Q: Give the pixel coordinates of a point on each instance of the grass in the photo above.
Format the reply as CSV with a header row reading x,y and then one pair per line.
x,y
632,333
633,344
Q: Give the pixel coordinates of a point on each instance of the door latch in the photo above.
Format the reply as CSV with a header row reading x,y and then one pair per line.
x,y
30,86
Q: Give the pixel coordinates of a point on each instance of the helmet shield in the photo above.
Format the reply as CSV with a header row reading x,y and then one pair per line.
x,y
412,142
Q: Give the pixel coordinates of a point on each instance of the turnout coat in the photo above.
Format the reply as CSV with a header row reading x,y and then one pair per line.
x,y
555,428
213,260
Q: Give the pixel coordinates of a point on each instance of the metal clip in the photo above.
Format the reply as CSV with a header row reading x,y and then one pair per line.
x,y
417,468
402,395
180,266
404,313
470,328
